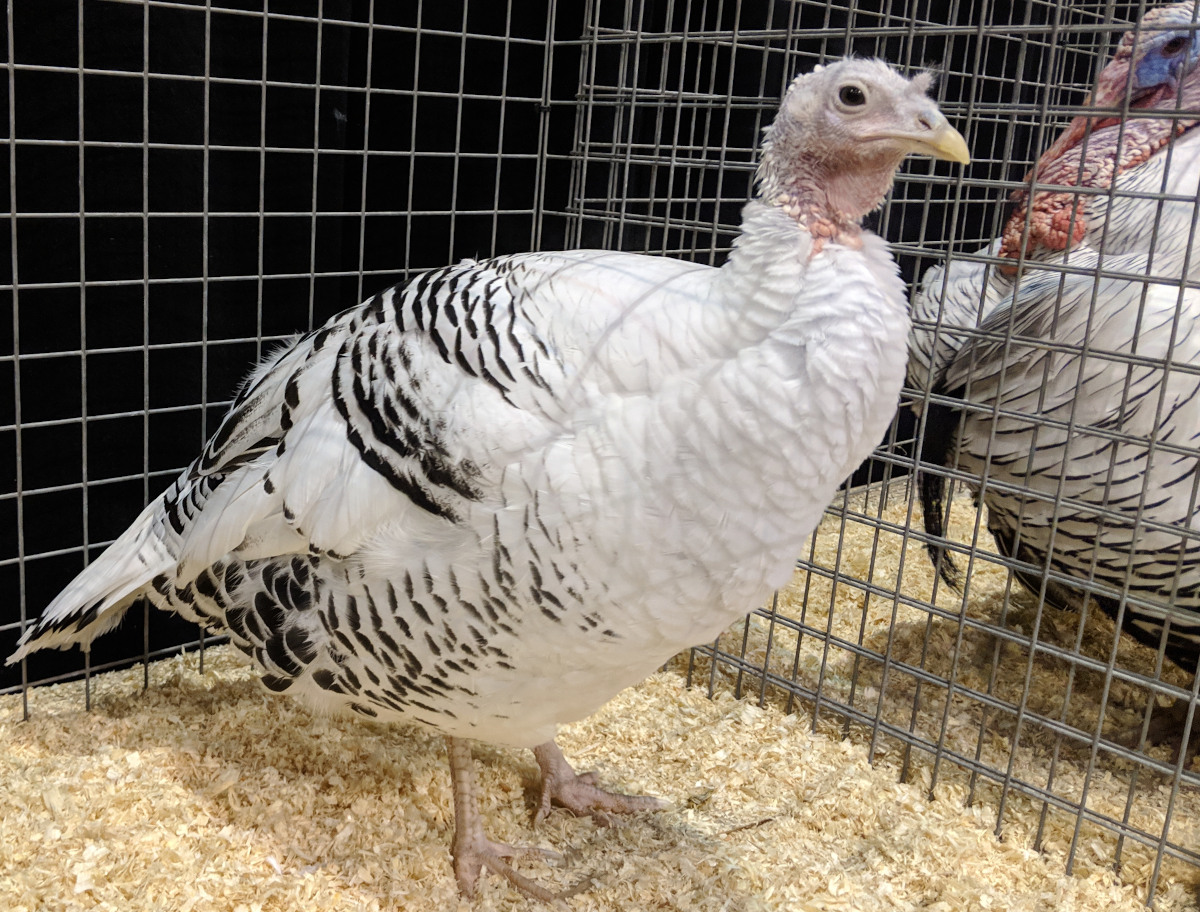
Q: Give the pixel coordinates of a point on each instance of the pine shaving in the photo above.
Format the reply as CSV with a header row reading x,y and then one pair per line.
x,y
864,551
207,793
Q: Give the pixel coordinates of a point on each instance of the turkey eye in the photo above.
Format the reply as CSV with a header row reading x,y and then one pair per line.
x,y
852,96
1175,45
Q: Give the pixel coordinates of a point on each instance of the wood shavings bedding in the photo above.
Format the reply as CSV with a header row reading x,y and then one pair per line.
x,y
979,663
206,793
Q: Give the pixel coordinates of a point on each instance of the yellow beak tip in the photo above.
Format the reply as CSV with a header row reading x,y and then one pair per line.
x,y
949,145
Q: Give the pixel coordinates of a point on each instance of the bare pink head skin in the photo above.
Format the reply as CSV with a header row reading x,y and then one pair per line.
x,y
1154,69
831,155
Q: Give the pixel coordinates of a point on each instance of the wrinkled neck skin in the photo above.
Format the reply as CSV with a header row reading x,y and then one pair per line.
x,y
1091,152
832,197
1057,219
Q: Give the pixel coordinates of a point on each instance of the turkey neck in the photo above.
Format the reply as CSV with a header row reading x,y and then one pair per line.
x,y
807,385
829,198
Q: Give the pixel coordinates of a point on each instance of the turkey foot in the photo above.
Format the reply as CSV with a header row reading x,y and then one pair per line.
x,y
579,793
472,850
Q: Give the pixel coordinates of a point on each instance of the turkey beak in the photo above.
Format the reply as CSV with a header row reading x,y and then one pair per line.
x,y
929,134
933,135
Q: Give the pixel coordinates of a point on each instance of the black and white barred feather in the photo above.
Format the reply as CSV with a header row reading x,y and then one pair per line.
x,y
1083,432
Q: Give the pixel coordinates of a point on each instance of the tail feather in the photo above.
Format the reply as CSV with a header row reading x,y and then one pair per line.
x,y
96,600
936,448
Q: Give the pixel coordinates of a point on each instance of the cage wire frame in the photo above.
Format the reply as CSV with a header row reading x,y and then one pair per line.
x,y
1013,78
621,125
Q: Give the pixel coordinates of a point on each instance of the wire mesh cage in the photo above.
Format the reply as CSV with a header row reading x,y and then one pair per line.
x,y
190,184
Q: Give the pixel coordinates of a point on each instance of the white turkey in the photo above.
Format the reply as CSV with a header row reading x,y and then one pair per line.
x,y
488,501
1081,415
1151,164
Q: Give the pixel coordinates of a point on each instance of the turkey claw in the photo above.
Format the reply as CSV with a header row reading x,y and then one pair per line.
x,y
579,793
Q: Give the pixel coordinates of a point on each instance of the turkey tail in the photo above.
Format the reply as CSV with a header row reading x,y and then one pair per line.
x,y
96,600
936,444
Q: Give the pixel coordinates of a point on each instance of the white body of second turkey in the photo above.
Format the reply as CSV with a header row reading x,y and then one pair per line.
x,y
1075,360
1151,212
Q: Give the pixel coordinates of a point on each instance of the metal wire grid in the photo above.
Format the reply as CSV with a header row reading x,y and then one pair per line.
x,y
189,184
621,125
1012,84
666,156
674,131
